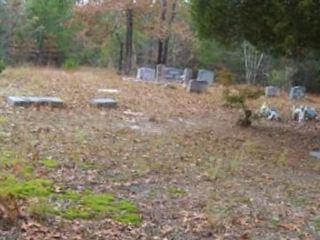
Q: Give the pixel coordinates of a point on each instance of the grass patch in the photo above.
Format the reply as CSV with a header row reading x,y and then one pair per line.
x,y
50,163
12,187
72,205
175,192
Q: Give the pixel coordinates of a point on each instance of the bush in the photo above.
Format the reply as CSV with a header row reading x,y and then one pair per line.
x,y
225,77
238,97
250,92
2,65
233,98
70,64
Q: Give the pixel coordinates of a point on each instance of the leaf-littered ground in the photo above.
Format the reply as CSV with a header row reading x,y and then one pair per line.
x,y
179,157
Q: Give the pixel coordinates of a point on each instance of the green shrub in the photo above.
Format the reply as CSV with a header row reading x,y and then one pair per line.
x,y
238,97
2,65
233,98
70,64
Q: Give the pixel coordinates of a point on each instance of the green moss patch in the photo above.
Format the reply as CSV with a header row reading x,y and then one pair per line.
x,y
89,205
11,186
50,163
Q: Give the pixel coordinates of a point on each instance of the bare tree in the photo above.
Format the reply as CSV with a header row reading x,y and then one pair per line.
x,y
252,60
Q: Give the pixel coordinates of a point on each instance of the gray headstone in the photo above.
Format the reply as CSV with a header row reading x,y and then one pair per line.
x,y
272,91
173,73
104,102
160,72
315,154
297,92
146,74
39,101
206,75
187,76
197,86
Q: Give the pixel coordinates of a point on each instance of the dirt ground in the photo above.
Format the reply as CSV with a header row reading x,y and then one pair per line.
x,y
179,157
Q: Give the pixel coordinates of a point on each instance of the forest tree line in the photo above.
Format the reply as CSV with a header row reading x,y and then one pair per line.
x,y
126,34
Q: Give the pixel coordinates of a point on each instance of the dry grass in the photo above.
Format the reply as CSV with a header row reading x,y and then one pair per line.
x,y
191,171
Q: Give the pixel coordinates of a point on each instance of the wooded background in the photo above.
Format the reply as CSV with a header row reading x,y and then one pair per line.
x,y
126,34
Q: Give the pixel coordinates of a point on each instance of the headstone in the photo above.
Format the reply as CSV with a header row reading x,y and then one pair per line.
x,y
173,73
104,102
197,86
160,72
272,91
187,76
315,153
206,75
38,101
297,92
146,74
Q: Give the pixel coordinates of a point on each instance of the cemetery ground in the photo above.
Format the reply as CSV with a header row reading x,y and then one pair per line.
x,y
164,164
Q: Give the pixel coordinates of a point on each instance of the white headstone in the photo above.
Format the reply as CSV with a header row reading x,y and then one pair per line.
x,y
146,74
187,76
206,75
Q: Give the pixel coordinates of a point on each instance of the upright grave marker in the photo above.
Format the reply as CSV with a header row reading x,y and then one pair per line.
x,y
206,75
297,92
195,86
187,76
168,73
146,74
272,91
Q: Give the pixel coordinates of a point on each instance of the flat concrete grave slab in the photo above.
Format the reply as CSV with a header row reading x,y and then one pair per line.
x,y
104,102
315,154
109,90
38,101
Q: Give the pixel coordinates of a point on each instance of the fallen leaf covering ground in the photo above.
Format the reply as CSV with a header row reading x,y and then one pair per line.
x,y
169,164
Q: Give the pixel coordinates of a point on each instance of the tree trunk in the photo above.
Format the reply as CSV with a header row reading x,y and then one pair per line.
x,y
121,45
161,43
166,43
129,41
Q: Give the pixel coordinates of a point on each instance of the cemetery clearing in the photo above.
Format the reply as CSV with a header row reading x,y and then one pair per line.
x,y
169,164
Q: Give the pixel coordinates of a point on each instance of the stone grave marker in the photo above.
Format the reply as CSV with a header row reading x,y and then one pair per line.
x,y
146,74
164,73
197,86
109,90
206,75
272,91
297,92
173,73
187,76
315,153
36,101
104,102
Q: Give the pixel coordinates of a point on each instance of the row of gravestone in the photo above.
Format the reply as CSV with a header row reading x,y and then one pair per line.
x,y
56,102
297,92
204,78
